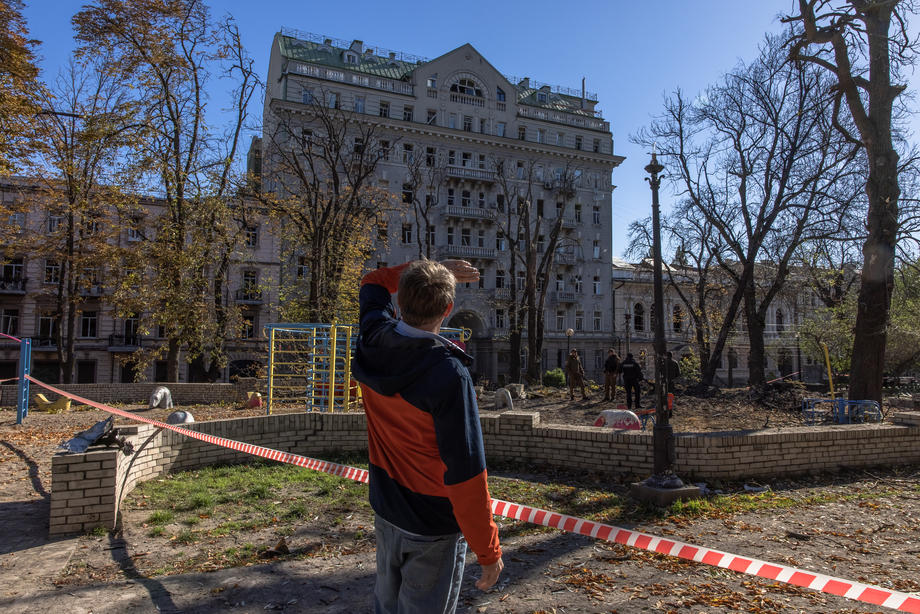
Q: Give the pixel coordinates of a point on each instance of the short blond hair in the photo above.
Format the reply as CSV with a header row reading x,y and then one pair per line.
x,y
426,290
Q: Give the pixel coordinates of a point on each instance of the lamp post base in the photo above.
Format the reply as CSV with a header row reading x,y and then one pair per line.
x,y
663,490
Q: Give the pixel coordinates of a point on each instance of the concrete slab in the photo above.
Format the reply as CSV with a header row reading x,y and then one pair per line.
x,y
662,497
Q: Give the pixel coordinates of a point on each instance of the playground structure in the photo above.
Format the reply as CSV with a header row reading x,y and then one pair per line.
x,y
309,364
22,382
56,406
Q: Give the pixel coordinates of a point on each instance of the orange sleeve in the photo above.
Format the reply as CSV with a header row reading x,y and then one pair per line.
x,y
388,277
473,511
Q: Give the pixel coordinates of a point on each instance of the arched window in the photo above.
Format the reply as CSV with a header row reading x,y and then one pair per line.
x,y
467,87
780,325
499,94
638,317
677,321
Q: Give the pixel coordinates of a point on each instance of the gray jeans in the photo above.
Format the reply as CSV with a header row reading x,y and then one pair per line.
x,y
417,574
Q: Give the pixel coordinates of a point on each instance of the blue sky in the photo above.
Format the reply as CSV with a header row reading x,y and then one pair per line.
x,y
631,53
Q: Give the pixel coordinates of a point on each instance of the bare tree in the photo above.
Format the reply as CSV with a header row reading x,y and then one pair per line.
x,y
323,163
758,159
422,190
863,45
533,240
693,275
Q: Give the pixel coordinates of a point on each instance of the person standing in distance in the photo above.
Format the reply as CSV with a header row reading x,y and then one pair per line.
x,y
575,374
672,368
427,468
632,375
611,370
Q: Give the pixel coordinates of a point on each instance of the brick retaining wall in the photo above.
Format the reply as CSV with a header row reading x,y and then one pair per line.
x,y
139,393
87,488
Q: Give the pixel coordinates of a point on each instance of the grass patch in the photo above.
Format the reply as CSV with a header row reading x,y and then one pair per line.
x,y
186,536
215,502
576,497
160,517
262,502
296,511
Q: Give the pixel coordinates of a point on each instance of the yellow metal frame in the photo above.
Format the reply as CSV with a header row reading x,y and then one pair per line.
x,y
311,363
830,377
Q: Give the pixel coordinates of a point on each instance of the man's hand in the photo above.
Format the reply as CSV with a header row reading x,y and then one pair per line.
x,y
463,271
490,575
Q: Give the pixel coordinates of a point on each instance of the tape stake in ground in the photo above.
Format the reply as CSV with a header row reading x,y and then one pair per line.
x,y
857,591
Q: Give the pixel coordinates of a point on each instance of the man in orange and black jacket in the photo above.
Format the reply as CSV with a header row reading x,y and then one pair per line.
x,y
427,465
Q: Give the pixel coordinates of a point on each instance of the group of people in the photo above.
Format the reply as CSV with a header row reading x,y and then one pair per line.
x,y
614,368
632,376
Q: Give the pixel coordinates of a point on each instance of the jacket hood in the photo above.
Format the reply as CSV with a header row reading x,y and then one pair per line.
x,y
389,362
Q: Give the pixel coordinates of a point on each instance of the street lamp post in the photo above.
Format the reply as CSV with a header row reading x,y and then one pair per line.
x,y
663,486
628,318
568,340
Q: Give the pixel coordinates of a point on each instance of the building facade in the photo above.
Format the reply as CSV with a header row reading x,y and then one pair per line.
x,y
490,141
633,299
106,344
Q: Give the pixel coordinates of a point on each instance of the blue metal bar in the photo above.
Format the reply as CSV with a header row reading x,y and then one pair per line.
x,y
25,368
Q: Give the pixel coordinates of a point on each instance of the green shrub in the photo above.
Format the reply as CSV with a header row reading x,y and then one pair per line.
x,y
554,378
690,369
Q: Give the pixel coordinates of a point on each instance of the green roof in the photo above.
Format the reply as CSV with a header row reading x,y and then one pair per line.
x,y
333,57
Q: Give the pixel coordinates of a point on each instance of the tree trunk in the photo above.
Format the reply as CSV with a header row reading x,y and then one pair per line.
x,y
709,369
68,363
877,281
172,361
703,352
514,359
756,325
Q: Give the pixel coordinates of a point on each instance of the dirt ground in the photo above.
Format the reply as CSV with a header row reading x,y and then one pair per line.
x,y
860,526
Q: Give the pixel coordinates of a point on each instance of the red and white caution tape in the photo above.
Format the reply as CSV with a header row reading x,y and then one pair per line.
x,y
857,591
352,473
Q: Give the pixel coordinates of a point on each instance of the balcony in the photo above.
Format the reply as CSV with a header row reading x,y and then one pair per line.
x,y
464,99
125,343
569,223
93,290
572,119
13,285
332,74
503,293
563,296
566,258
466,172
46,344
469,213
466,251
246,296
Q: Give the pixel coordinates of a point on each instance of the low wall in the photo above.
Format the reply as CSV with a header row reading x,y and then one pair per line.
x,y
87,489
182,393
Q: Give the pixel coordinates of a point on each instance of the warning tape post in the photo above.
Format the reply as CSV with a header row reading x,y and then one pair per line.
x,y
856,591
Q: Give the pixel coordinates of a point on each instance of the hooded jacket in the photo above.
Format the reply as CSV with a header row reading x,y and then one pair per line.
x,y
427,463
